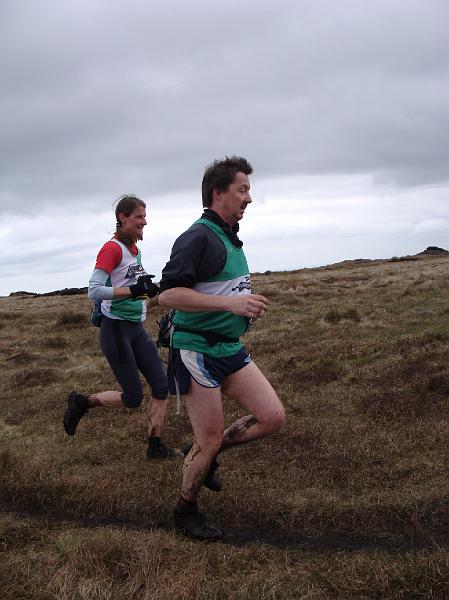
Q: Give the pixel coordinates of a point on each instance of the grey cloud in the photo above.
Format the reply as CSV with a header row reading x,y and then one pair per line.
x,y
103,98
47,261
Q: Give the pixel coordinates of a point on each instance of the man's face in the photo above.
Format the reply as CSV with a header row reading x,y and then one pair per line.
x,y
231,204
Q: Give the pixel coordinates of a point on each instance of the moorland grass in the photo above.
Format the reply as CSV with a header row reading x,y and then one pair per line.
x,y
350,500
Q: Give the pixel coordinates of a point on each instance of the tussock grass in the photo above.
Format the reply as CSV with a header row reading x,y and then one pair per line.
x,y
54,341
22,357
7,458
335,316
68,319
36,376
349,501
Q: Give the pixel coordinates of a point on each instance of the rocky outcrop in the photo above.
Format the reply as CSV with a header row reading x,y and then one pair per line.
x,y
433,251
64,292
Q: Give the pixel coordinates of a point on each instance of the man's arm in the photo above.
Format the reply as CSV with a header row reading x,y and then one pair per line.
x,y
197,255
188,300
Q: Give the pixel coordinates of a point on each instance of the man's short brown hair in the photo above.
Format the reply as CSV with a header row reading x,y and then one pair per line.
x,y
220,174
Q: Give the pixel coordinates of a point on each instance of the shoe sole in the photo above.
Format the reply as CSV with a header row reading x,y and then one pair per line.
x,y
189,534
71,397
213,487
168,457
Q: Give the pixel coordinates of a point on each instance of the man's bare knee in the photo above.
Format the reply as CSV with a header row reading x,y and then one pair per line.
x,y
212,445
209,445
279,419
273,421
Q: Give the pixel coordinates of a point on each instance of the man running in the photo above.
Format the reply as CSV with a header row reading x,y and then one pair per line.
x,y
207,281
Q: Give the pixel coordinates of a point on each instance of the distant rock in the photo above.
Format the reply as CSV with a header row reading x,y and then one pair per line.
x,y
433,251
64,292
402,258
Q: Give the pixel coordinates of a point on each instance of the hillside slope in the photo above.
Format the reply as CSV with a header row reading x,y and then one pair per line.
x,y
349,501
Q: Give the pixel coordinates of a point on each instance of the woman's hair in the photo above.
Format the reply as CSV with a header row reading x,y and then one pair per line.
x,y
125,206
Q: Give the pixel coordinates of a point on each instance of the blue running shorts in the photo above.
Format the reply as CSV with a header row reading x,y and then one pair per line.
x,y
206,370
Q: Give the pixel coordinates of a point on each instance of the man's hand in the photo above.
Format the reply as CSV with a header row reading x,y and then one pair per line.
x,y
252,306
144,287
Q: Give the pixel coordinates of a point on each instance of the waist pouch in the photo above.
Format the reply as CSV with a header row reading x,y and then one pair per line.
x,y
211,337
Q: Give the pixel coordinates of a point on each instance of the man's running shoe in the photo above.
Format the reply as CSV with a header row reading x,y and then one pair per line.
x,y
77,407
159,450
194,524
212,480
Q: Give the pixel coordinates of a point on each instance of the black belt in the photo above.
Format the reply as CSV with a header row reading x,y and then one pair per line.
x,y
211,337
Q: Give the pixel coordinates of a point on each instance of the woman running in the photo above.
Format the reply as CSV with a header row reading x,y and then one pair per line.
x,y
120,281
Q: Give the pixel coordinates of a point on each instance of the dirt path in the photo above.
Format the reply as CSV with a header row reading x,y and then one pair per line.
x,y
294,540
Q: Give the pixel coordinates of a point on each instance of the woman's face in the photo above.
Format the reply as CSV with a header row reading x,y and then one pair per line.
x,y
134,224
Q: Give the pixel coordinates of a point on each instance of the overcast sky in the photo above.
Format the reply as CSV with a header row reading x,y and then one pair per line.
x,y
341,107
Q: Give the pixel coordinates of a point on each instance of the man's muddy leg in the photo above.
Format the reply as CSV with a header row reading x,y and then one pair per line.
x,y
250,388
206,415
156,410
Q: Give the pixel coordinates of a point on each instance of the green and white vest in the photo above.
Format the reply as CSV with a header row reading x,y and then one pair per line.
x,y
125,274
234,279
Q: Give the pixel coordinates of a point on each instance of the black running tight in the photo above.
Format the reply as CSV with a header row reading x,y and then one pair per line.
x,y
129,349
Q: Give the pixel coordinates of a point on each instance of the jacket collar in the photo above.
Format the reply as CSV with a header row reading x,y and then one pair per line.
x,y
211,215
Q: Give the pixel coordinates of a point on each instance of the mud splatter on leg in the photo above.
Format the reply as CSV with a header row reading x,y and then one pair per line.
x,y
194,470
237,433
156,415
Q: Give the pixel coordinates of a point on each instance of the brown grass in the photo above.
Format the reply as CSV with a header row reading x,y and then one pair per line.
x,y
349,501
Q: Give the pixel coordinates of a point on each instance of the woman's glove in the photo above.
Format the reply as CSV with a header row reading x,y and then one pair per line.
x,y
144,287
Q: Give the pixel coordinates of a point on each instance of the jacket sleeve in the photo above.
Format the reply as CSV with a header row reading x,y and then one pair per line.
x,y
197,255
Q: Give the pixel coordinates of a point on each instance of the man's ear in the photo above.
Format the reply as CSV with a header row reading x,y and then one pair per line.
x,y
216,196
